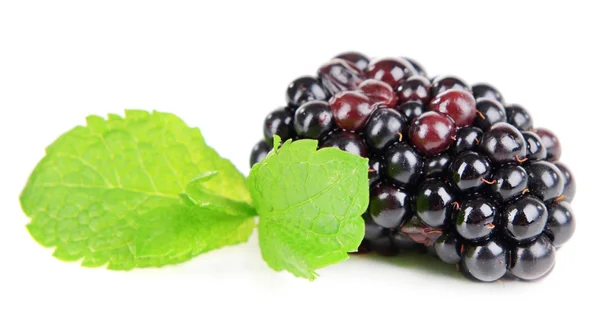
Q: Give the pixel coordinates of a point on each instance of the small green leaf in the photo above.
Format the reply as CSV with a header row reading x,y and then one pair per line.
x,y
190,231
310,205
101,189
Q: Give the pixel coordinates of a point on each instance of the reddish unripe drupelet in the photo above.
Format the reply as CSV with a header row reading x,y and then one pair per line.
x,y
432,133
458,104
379,93
351,109
393,71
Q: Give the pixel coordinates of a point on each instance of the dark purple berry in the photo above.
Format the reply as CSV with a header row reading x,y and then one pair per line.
x,y
503,143
437,166
305,89
570,186
389,206
434,203
490,113
509,182
545,180
411,110
518,117
487,262
259,152
313,119
476,219
561,222
403,164
385,126
447,248
279,122
551,142
535,149
443,83
467,138
415,88
418,68
533,261
346,141
524,219
487,91
469,170
373,231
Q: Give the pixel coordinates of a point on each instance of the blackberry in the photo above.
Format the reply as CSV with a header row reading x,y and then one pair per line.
x,y
452,168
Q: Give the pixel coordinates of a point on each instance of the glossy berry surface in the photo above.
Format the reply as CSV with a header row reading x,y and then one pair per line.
x,y
259,152
551,142
420,70
378,92
384,128
305,89
437,166
486,91
393,71
476,219
415,88
432,133
339,75
359,60
279,122
447,248
561,223
389,206
490,113
545,180
525,218
313,119
444,83
346,141
487,262
434,203
467,138
533,261
535,149
403,164
503,143
518,117
569,182
351,109
469,170
458,104
509,182
411,110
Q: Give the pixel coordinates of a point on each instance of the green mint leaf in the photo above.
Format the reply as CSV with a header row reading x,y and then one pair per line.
x,y
101,189
310,205
191,230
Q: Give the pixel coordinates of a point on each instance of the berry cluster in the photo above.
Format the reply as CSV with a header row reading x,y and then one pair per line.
x,y
453,168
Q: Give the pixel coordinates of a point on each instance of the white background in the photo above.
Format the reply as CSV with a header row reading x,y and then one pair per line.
x,y
222,66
